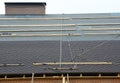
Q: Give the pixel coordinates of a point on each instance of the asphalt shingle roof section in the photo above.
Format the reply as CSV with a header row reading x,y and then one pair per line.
x,y
29,39
29,52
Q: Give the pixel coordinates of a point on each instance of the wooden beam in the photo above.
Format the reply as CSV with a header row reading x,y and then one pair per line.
x,y
11,65
45,25
97,24
99,75
81,75
34,18
59,25
107,33
98,29
72,63
100,17
39,35
118,75
38,30
23,76
63,80
44,75
32,80
73,18
5,76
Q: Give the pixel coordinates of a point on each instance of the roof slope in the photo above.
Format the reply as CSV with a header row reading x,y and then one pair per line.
x,y
29,52
60,43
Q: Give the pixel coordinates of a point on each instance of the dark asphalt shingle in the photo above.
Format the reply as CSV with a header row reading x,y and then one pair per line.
x,y
27,52
85,48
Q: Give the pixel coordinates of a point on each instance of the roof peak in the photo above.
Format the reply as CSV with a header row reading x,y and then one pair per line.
x,y
25,3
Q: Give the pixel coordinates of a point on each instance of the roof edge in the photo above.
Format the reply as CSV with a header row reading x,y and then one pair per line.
x,y
44,3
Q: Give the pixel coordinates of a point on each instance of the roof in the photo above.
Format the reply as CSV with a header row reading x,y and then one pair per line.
x,y
67,43
79,27
29,52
